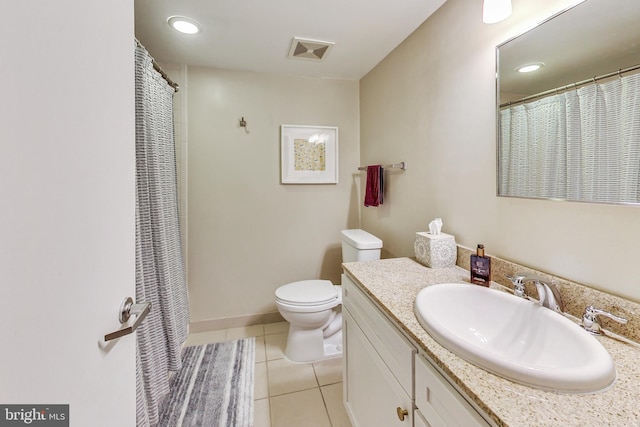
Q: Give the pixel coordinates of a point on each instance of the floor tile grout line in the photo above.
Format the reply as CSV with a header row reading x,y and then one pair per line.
x,y
326,409
315,374
294,391
324,402
266,368
332,383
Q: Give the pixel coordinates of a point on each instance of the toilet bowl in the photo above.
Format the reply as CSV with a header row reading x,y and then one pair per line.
x,y
313,308
315,330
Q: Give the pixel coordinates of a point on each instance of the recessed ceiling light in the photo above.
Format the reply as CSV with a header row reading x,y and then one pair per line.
x,y
527,68
495,10
184,25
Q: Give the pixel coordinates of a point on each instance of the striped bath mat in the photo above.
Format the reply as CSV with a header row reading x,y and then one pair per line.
x,y
214,388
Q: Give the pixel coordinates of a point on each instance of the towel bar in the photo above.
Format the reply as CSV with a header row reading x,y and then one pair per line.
x,y
401,165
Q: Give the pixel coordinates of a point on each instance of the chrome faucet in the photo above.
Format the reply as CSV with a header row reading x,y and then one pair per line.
x,y
548,293
590,319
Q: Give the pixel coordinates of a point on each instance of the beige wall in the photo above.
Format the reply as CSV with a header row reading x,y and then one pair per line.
x,y
247,233
432,103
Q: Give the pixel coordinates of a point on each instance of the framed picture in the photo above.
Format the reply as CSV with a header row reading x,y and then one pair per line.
x,y
309,154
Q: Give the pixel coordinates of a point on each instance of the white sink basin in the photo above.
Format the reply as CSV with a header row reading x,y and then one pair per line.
x,y
514,338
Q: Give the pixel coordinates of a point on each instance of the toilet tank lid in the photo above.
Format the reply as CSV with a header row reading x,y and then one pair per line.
x,y
360,239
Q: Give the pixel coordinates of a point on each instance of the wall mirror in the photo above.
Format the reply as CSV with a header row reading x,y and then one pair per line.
x,y
571,129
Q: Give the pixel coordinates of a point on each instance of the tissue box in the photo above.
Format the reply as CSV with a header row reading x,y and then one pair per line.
x,y
435,250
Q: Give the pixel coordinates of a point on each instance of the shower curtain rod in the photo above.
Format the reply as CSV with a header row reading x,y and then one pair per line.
x,y
571,86
156,67
165,76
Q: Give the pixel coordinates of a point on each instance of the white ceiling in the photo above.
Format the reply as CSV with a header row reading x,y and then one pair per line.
x,y
588,40
255,35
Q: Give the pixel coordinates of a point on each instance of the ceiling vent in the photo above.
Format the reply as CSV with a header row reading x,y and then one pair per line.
x,y
309,49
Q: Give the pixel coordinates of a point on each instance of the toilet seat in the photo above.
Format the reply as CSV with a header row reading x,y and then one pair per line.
x,y
307,293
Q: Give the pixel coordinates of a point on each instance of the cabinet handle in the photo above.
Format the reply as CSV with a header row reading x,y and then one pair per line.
x,y
401,413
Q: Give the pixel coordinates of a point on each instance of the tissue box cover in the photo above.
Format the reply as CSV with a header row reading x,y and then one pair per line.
x,y
435,251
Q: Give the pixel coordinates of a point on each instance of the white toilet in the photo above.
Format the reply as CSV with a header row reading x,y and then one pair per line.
x,y
313,307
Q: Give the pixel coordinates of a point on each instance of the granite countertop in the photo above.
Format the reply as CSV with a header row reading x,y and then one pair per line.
x,y
393,285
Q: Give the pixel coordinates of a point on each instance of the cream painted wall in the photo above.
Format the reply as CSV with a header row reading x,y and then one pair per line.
x,y
431,102
247,233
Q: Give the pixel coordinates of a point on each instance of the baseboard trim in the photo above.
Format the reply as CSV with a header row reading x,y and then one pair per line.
x,y
234,322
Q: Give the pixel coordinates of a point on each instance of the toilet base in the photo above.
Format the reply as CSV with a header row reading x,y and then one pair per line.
x,y
308,345
333,345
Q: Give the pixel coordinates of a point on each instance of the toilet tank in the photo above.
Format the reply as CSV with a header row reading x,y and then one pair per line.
x,y
358,245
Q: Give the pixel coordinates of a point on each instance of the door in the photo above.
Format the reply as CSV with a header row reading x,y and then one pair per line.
x,y
67,207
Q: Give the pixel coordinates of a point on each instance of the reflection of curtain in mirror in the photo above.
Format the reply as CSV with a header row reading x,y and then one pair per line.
x,y
580,145
533,151
630,113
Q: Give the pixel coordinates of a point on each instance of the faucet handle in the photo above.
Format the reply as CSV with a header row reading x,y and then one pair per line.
x,y
518,284
590,319
515,278
525,277
519,279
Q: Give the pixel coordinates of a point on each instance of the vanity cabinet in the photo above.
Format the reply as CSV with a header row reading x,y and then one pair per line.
x,y
378,365
386,382
373,396
438,402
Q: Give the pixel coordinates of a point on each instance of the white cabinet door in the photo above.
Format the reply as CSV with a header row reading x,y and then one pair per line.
x,y
396,352
439,402
418,420
372,394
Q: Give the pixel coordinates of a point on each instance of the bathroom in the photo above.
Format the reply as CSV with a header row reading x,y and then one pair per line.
x,y
430,103
451,173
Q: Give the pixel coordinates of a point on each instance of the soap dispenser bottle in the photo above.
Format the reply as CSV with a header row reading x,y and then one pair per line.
x,y
480,267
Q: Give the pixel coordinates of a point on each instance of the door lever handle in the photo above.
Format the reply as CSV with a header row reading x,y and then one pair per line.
x,y
128,309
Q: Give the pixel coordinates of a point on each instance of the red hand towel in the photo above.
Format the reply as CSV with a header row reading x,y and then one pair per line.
x,y
374,190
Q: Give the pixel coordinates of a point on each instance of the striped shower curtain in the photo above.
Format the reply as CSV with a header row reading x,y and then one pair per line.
x,y
160,277
581,145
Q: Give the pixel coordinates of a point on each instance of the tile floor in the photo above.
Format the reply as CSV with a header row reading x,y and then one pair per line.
x,y
287,394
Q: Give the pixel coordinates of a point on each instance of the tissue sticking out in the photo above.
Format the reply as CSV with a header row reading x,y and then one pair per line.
x,y
435,226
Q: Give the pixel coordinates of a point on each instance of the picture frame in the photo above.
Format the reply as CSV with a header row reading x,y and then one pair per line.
x,y
309,154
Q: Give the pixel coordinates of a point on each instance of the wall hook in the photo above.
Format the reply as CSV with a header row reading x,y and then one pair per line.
x,y
243,124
